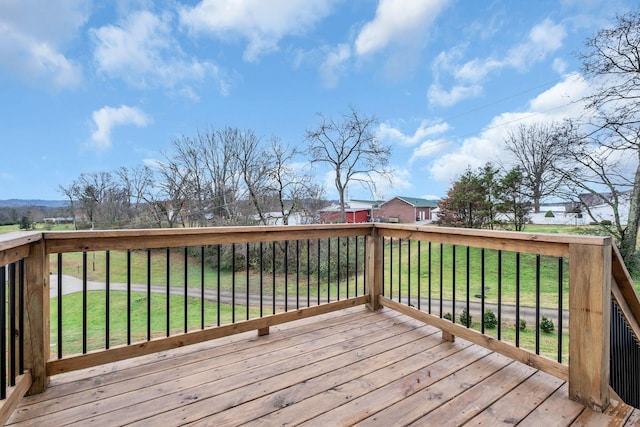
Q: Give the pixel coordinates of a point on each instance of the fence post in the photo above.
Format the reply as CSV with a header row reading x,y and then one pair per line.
x,y
374,268
36,318
589,323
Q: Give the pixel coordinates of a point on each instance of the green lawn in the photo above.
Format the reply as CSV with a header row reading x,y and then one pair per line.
x,y
72,309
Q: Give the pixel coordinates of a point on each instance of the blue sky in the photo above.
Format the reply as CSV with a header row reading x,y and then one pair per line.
x,y
90,86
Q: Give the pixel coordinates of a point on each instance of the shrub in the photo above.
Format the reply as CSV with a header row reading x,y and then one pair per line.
x,y
546,325
490,320
465,318
605,222
523,324
448,316
549,214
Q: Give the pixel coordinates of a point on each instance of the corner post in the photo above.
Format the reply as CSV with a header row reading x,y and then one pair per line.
x,y
589,323
36,319
374,268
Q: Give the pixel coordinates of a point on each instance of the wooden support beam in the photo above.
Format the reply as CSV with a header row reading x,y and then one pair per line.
x,y
374,269
36,318
263,331
589,324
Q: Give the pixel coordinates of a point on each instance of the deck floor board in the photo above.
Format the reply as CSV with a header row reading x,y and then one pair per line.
x,y
344,368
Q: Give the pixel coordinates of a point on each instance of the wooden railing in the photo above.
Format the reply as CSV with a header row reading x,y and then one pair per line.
x,y
369,276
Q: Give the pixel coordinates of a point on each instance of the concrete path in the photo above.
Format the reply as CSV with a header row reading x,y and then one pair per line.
x,y
72,284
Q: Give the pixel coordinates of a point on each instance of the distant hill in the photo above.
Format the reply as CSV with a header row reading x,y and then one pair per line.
x,y
16,203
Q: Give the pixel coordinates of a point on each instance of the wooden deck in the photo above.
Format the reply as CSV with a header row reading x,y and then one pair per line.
x,y
350,367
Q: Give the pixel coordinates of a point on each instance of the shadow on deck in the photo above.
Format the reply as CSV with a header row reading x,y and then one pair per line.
x,y
349,367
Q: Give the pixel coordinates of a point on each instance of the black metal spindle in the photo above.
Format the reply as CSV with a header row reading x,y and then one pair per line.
x,y
517,299
338,269
202,299
233,283
441,276
537,304
500,296
400,270
468,272
218,285
560,310
148,294
453,284
21,307
3,333
107,298
482,287
246,263
12,324
419,274
308,274
391,268
409,272
329,270
59,320
429,257
383,267
128,296
347,266
84,302
261,279
319,258
273,278
286,275
297,274
357,256
185,271
364,266
168,295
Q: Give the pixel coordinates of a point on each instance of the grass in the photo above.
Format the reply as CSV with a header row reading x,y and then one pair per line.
x,y
140,264
468,271
72,318
37,227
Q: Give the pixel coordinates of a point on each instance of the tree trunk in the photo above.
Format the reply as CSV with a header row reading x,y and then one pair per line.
x,y
628,243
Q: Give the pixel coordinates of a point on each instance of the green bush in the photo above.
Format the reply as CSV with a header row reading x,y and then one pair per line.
x,y
448,316
546,325
549,214
605,222
465,318
490,320
523,324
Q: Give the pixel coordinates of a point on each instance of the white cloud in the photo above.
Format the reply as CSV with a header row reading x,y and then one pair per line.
x,y
429,148
106,118
397,21
561,101
143,52
33,35
446,98
388,133
543,39
263,24
334,64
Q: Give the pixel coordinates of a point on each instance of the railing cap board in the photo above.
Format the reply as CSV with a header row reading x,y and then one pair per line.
x,y
76,241
18,238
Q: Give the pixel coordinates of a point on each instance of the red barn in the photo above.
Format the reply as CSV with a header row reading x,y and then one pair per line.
x,y
352,215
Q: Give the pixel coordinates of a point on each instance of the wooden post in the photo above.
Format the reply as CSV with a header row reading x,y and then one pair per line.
x,y
589,323
36,318
263,331
374,268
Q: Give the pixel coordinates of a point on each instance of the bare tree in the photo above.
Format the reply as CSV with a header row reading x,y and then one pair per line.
x,y
537,148
612,60
352,150
290,187
593,171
